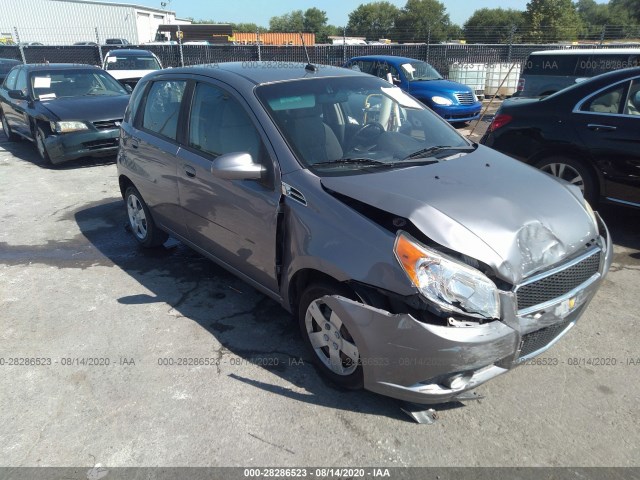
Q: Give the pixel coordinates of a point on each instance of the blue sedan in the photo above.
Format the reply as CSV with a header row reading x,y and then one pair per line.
x,y
453,101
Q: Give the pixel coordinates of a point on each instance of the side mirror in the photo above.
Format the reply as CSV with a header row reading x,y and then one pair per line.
x,y
237,166
17,94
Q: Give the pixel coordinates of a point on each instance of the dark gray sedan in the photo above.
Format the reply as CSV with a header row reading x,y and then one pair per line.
x,y
68,111
419,265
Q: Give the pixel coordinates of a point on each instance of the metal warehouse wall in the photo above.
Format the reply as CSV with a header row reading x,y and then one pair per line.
x,y
54,22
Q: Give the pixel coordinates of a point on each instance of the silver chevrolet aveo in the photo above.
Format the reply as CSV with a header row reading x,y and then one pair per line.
x,y
419,264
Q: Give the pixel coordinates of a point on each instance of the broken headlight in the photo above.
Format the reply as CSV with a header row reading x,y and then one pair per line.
x,y
452,285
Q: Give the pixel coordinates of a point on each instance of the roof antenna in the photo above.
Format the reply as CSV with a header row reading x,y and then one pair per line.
x,y
309,67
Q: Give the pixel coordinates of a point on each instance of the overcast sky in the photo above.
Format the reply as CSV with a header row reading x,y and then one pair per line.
x,y
260,11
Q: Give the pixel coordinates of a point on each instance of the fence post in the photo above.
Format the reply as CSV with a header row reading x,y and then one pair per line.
x,y
99,48
20,46
258,44
512,33
344,45
428,43
179,35
603,34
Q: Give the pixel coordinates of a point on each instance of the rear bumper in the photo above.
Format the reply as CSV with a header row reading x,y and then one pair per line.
x,y
71,146
422,363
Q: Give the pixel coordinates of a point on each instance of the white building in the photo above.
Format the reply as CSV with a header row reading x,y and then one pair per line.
x,y
64,22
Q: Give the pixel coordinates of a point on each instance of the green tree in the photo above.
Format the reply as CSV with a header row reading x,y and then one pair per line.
x,y
373,20
421,20
551,21
493,25
247,27
625,9
289,22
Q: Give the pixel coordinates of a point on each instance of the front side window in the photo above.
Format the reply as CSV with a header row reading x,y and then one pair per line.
x,y
21,81
335,125
10,81
606,102
218,124
632,106
162,107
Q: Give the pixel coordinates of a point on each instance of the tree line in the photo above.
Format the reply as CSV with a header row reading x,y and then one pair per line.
x,y
542,21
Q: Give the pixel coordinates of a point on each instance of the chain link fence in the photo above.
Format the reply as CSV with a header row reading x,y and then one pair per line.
x,y
441,55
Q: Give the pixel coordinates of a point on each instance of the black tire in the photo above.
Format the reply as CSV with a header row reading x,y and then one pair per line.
x,y
338,339
574,172
12,137
141,222
41,146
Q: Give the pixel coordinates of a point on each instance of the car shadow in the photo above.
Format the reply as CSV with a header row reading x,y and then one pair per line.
x,y
250,327
25,150
624,226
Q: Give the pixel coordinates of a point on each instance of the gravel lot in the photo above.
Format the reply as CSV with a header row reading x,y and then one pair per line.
x,y
74,285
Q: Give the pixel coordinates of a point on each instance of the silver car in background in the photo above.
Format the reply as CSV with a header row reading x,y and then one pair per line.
x,y
418,264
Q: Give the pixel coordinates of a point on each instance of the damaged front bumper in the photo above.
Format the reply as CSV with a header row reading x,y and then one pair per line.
x,y
418,362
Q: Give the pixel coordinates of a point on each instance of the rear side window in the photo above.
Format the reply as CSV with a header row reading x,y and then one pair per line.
x,y
606,102
162,107
10,81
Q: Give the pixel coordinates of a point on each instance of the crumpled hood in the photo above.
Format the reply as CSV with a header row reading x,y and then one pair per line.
x,y
88,108
486,205
126,74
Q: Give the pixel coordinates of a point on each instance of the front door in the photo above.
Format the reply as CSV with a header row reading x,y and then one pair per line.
x,y
233,220
609,125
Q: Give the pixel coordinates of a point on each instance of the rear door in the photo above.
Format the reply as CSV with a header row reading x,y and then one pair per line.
x,y
153,144
7,102
608,122
233,220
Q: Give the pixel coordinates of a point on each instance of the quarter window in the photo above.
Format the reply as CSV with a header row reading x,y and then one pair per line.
x,y
163,107
21,81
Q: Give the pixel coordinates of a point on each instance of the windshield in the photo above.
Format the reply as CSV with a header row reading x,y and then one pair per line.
x,y
49,85
418,70
130,62
357,124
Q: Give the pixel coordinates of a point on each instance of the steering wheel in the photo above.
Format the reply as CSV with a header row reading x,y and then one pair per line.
x,y
368,133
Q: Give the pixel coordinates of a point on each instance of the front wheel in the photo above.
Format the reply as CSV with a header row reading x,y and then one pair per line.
x,y
7,129
142,225
42,147
573,172
332,347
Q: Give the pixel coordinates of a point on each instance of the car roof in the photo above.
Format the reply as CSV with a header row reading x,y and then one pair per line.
x,y
387,58
58,66
588,51
262,72
125,52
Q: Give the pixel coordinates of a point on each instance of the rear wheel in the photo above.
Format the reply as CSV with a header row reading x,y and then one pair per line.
x,y
328,339
7,129
573,172
142,225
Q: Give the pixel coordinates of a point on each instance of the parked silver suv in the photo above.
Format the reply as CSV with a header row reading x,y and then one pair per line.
x,y
419,265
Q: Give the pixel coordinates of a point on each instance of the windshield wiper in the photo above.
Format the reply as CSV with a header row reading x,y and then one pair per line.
x,y
426,152
349,161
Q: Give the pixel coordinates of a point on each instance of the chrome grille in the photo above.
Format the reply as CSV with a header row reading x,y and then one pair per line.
x,y
558,283
534,341
465,98
107,124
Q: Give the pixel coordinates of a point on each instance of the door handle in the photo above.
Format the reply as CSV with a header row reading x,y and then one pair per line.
x,y
189,171
134,142
604,128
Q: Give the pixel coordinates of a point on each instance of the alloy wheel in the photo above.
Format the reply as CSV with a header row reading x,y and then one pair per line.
x,y
565,172
137,217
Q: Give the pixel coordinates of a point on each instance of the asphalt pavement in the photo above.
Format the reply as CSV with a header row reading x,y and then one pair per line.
x,y
115,355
